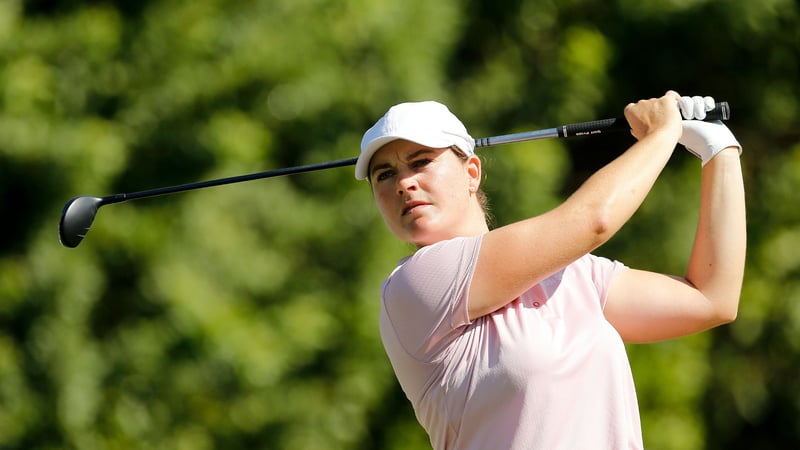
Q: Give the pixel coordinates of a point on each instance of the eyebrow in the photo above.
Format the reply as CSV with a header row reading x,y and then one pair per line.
x,y
387,165
379,167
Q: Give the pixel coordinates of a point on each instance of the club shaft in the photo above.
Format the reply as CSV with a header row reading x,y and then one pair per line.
x,y
116,198
516,137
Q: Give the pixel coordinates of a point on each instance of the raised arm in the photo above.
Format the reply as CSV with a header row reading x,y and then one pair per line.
x,y
515,257
645,306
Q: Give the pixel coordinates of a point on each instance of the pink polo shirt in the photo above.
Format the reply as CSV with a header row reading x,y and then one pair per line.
x,y
547,371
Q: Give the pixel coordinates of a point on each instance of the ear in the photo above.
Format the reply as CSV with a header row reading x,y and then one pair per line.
x,y
474,172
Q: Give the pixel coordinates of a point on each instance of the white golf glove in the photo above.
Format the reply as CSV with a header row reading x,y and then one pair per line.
x,y
703,139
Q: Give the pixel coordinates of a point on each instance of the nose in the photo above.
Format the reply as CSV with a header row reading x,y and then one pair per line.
x,y
406,182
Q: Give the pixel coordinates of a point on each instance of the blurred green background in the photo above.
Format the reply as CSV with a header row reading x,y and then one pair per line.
x,y
245,316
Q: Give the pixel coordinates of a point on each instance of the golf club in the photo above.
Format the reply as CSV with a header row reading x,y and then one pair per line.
x,y
79,212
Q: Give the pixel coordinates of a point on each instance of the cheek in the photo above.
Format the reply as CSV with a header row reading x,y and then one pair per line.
x,y
453,185
382,199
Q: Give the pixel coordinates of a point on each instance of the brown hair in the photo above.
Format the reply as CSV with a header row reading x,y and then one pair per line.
x,y
483,199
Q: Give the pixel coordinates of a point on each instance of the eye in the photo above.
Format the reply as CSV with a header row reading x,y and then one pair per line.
x,y
422,162
383,175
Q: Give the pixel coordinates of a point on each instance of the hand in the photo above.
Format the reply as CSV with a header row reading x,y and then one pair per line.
x,y
703,139
654,115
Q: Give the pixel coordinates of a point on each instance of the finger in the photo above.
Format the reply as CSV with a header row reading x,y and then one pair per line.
x,y
709,103
673,94
686,106
699,107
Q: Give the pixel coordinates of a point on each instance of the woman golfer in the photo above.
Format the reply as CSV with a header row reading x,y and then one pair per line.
x,y
512,338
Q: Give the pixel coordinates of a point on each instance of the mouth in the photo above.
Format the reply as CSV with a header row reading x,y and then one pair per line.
x,y
411,206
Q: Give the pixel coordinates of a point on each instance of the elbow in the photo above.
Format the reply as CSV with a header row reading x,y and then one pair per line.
x,y
727,313
728,316
594,220
593,223
601,227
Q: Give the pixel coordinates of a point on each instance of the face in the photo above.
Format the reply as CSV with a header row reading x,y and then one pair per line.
x,y
425,194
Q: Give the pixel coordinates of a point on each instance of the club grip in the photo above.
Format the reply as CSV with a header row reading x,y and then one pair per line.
x,y
721,111
593,127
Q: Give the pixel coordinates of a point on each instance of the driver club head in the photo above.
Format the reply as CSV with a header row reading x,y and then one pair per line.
x,y
76,219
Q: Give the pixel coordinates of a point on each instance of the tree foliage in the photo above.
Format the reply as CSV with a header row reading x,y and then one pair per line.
x,y
245,316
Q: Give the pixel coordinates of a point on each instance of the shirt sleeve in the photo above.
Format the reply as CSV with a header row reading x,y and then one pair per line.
x,y
425,298
603,271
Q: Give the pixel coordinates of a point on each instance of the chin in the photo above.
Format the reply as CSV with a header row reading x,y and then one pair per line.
x,y
421,233
424,239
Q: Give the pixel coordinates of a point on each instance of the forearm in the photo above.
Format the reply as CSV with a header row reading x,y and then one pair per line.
x,y
613,194
716,265
608,199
